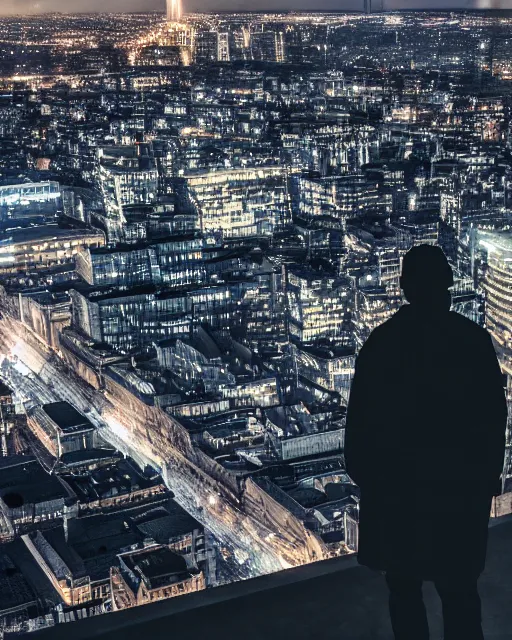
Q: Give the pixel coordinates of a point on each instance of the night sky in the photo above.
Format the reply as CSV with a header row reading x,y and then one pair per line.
x,y
38,6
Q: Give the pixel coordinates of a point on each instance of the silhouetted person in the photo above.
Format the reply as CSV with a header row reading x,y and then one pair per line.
x,y
425,442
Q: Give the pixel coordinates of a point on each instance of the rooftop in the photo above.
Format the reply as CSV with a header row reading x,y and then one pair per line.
x,y
157,566
47,232
173,523
108,480
24,481
496,240
144,244
343,600
14,588
93,544
327,352
67,417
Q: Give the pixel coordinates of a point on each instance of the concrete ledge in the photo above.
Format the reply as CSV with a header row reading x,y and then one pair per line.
x,y
334,598
119,620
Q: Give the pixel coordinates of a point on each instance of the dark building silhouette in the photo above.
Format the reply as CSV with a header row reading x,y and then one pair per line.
x,y
427,419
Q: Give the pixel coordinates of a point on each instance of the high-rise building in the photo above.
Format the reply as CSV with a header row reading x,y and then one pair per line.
x,y
268,46
223,47
242,202
207,47
497,283
174,10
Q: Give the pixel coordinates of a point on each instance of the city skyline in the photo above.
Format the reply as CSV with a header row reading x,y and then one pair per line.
x,y
15,7
204,222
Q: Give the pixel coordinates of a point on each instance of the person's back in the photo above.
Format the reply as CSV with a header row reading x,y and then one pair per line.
x,y
425,440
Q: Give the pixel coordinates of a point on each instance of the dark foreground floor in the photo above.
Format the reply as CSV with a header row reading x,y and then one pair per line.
x,y
330,600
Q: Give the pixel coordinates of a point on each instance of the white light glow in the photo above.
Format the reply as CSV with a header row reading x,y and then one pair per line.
x,y
118,429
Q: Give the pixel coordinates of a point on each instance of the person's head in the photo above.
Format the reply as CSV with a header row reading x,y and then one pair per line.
x,y
427,277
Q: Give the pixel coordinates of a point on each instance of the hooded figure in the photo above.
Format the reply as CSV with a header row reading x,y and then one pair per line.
x,y
425,442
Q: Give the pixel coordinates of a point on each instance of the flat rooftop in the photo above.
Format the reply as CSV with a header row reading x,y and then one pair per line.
x,y
143,244
24,481
333,600
14,588
114,479
67,418
158,566
47,232
327,352
92,547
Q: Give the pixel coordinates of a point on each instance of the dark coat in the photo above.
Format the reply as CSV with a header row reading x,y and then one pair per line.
x,y
425,442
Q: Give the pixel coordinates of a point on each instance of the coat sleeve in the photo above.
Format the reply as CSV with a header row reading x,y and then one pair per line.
x,y
495,417
358,424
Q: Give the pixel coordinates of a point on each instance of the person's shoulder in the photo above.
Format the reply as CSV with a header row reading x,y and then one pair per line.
x,y
381,335
390,326
471,328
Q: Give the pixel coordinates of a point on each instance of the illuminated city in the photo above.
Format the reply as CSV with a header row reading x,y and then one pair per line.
x,y
203,217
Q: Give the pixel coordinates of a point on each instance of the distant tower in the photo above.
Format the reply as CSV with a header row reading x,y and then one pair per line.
x,y
367,6
174,10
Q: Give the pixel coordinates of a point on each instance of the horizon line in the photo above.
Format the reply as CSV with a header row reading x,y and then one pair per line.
x,y
269,11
